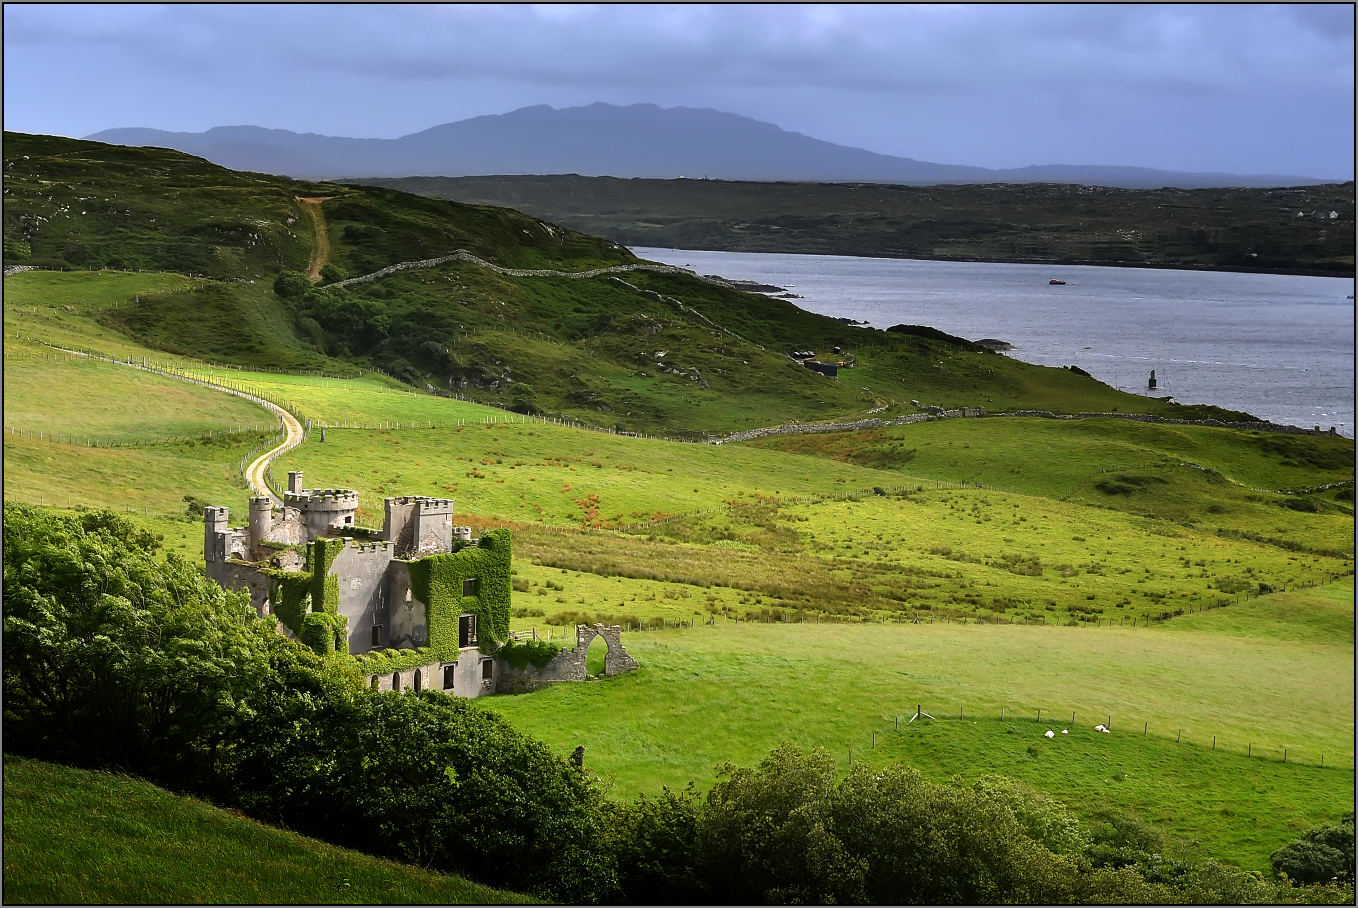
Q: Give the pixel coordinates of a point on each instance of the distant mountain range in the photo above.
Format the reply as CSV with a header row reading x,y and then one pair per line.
x,y
640,140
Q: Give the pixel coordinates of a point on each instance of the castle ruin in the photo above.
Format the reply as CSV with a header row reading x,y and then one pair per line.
x,y
420,587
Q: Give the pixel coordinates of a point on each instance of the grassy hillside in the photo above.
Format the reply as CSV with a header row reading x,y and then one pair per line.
x,y
1220,228
74,837
654,353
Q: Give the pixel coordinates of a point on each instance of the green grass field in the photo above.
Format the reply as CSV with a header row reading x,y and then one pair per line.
x,y
732,692
78,837
114,403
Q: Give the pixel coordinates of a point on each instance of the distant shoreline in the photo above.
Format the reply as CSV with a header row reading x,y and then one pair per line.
x,y
1065,263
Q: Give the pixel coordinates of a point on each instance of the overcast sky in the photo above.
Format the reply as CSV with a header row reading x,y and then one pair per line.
x,y
1240,89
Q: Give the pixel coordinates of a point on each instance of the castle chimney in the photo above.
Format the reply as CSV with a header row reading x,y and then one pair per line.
x,y
294,481
261,519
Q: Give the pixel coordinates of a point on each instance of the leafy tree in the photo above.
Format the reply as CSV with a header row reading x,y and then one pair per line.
x,y
766,834
654,844
291,284
1042,818
424,779
360,322
525,398
116,658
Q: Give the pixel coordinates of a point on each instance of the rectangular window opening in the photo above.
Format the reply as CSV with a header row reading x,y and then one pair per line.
x,y
466,630
471,587
448,676
487,670
377,635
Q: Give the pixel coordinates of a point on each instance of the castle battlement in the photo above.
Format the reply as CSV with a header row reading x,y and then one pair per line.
x,y
322,499
367,546
429,505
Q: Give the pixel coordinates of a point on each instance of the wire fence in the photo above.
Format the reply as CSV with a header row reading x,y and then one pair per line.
x,y
1058,727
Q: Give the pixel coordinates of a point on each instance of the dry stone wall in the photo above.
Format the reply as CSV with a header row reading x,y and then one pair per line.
x,y
463,255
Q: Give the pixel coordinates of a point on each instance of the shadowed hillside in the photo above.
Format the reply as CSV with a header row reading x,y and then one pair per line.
x,y
1280,229
522,320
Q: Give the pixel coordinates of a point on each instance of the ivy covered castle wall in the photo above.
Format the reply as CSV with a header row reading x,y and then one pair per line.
x,y
438,581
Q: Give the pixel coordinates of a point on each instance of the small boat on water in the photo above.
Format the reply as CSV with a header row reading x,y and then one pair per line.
x,y
1056,281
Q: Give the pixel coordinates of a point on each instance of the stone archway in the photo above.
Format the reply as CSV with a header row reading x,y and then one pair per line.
x,y
616,660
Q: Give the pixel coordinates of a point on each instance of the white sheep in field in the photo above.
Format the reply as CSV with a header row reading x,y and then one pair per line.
x,y
1050,733
1099,728
1065,731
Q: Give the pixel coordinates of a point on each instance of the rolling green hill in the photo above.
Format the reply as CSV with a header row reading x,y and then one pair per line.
x,y
73,836
1235,229
832,610
644,351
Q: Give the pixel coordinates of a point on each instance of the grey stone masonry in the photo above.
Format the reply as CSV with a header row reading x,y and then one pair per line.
x,y
617,661
569,664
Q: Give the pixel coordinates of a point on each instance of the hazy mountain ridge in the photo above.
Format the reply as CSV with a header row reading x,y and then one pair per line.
x,y
640,140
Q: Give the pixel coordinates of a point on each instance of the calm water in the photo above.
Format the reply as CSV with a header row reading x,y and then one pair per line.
x,y
1277,346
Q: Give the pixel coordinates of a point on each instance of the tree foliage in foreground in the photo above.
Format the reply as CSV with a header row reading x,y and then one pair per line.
x,y
115,658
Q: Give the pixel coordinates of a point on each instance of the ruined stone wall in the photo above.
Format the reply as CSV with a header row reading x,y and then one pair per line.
x,y
237,575
814,428
977,412
407,624
397,524
1261,426
463,255
288,529
617,661
569,664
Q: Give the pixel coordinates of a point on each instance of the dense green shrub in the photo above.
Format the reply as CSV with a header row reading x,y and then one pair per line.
x,y
525,398
326,634
17,251
291,284
330,272
535,652
654,843
1320,854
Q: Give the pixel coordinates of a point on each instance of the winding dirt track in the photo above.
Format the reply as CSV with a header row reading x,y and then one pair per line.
x,y
254,474
320,249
